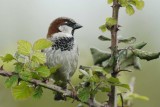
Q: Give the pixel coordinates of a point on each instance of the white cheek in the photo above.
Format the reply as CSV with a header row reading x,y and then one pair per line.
x,y
65,29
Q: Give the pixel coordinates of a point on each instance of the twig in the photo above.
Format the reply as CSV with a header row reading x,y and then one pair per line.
x,y
52,87
120,94
114,49
125,70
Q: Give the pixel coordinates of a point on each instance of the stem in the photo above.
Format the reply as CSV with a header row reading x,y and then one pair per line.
x,y
52,87
114,49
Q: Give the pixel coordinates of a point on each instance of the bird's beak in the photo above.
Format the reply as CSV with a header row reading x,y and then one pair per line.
x,y
77,26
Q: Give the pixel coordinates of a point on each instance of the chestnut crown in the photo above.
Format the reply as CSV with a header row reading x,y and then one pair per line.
x,y
62,21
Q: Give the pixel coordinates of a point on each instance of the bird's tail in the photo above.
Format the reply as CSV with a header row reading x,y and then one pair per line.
x,y
59,96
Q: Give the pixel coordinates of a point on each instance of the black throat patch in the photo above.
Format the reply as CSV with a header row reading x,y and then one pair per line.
x,y
63,43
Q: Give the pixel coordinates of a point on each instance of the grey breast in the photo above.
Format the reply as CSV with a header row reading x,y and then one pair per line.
x,y
63,52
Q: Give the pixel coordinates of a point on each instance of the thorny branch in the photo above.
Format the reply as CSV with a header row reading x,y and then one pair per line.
x,y
52,87
114,48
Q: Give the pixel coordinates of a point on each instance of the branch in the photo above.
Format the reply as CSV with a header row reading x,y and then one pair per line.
x,y
52,87
114,48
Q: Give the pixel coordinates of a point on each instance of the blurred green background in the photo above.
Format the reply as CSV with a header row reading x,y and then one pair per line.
x,y
29,20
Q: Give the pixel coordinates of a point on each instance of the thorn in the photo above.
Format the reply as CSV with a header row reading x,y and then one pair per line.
x,y
117,29
119,26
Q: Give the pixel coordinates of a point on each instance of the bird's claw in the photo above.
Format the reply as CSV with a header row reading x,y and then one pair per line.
x,y
74,95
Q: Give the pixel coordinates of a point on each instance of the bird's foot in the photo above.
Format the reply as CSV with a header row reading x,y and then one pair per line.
x,y
73,91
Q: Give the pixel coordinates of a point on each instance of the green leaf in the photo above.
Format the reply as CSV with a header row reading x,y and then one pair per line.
x,y
42,44
24,47
129,10
84,94
123,3
98,69
84,72
43,71
124,86
110,1
109,63
7,58
103,38
139,4
113,80
128,40
137,96
94,78
26,75
22,91
105,89
130,60
139,45
103,28
18,67
110,22
146,55
132,2
99,56
136,63
37,92
12,81
54,69
39,57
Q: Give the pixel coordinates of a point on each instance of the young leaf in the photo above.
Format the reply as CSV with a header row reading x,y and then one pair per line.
x,y
103,38
25,75
136,63
43,71
84,72
22,91
94,78
109,63
110,21
54,69
39,57
24,47
7,58
105,89
140,4
129,10
37,92
98,69
103,28
12,81
18,67
84,94
99,56
110,1
113,80
139,45
128,40
42,44
137,96
146,55
124,86
123,3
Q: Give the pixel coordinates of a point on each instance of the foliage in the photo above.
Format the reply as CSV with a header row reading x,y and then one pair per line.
x,y
29,64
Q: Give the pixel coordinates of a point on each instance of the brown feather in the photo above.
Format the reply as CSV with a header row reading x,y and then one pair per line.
x,y
53,28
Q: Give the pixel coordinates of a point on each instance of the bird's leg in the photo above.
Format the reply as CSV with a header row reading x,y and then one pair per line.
x,y
74,93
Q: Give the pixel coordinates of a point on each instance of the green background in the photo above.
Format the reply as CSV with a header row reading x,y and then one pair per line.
x,y
29,20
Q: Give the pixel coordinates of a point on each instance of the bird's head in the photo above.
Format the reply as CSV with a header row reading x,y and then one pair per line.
x,y
63,24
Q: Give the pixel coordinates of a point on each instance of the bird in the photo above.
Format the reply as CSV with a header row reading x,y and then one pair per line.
x,y
64,51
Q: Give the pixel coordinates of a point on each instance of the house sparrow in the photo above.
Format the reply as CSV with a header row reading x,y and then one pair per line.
x,y
64,52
